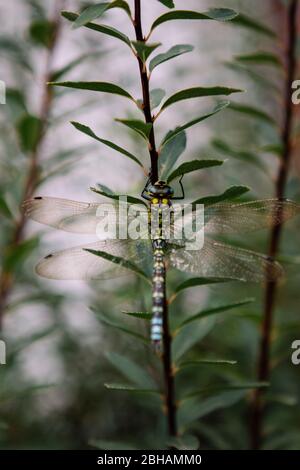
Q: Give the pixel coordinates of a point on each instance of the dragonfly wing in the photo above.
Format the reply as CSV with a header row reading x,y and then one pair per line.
x,y
219,260
77,217
248,216
77,263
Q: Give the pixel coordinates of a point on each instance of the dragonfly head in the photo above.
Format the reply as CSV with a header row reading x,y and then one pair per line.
x,y
161,191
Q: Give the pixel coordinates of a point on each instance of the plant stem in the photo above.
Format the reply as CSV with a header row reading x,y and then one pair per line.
x,y
263,373
167,339
6,277
146,93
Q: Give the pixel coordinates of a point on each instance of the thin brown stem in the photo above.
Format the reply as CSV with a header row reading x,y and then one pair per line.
x,y
167,340
146,93
31,181
264,359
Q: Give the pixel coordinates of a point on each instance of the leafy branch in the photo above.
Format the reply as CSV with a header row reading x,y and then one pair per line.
x,y
32,132
264,357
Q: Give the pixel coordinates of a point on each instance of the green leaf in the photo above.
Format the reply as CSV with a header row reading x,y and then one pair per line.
x,y
185,442
249,23
105,320
201,281
14,49
108,30
175,51
42,32
253,112
218,14
198,92
243,155
88,131
170,153
140,127
230,193
144,50
117,260
16,103
4,208
140,315
193,409
57,74
156,97
128,388
189,167
103,87
259,58
190,335
129,369
95,11
111,445
213,311
233,386
206,362
178,130
15,256
167,3
29,130
104,191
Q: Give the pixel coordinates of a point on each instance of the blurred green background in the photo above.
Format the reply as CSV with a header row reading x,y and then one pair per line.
x,y
65,340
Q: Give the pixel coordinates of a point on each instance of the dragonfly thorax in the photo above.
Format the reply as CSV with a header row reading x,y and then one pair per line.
x,y
160,192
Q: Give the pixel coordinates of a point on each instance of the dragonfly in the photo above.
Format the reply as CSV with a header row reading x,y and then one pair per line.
x,y
108,258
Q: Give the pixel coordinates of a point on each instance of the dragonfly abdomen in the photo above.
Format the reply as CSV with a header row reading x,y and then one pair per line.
x,y
158,292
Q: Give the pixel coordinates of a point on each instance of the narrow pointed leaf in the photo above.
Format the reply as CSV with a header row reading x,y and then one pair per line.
x,y
57,74
194,409
252,112
243,155
120,261
108,30
156,97
88,131
106,192
144,50
221,388
189,336
95,11
175,51
28,130
189,167
4,207
252,24
198,92
218,14
189,124
140,127
201,281
167,3
111,323
140,315
170,153
259,58
103,87
231,193
213,311
135,373
205,362
129,388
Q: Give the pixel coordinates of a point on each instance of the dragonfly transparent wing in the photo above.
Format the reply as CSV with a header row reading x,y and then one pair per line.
x,y
248,216
77,263
220,219
219,260
78,217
